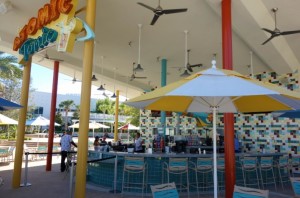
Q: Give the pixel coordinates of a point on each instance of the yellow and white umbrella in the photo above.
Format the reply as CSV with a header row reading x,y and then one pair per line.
x,y
219,90
4,120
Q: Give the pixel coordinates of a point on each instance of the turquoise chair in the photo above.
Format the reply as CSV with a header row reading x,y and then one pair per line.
x,y
295,181
178,168
134,173
164,191
245,192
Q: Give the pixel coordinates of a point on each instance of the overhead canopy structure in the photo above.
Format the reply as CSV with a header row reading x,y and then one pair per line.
x,y
120,43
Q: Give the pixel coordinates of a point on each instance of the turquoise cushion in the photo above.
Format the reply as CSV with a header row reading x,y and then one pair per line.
x,y
243,195
172,193
296,186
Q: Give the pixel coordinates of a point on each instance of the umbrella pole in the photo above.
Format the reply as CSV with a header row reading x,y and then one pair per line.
x,y
215,152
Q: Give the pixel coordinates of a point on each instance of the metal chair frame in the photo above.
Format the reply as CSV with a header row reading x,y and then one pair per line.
x,y
266,165
132,166
178,166
204,168
250,165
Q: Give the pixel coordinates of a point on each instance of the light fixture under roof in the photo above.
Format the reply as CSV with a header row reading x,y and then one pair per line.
x,y
139,67
101,88
114,96
94,78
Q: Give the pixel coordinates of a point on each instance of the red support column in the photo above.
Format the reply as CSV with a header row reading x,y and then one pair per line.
x,y
52,115
228,117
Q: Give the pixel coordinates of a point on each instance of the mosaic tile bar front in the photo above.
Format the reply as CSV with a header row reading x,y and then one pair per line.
x,y
256,132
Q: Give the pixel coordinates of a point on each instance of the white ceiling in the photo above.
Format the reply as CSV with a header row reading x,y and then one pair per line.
x,y
116,26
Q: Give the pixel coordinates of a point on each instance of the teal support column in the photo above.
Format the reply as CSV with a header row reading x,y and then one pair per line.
x,y
163,83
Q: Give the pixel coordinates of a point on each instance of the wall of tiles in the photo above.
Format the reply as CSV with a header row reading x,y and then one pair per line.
x,y
256,132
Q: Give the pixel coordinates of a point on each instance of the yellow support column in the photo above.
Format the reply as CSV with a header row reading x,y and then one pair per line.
x,y
116,117
80,186
21,126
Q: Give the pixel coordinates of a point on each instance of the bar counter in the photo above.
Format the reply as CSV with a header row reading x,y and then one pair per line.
x,y
108,173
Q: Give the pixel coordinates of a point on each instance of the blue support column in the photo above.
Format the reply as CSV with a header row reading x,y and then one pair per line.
x,y
163,83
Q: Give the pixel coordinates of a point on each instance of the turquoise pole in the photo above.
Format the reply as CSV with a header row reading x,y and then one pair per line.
x,y
163,83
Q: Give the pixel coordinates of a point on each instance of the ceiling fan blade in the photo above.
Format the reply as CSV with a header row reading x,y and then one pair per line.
x,y
196,65
268,39
141,77
154,19
290,32
267,30
146,6
172,11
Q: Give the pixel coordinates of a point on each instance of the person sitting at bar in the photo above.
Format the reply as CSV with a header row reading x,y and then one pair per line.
x,y
96,143
138,143
236,144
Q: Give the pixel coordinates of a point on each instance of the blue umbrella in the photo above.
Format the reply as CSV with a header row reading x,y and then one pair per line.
x,y
8,105
287,114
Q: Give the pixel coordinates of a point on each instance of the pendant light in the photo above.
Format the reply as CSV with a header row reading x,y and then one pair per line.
x,y
139,67
94,76
101,88
114,95
185,73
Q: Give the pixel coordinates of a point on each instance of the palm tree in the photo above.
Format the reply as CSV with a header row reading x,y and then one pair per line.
x,y
66,106
105,106
8,67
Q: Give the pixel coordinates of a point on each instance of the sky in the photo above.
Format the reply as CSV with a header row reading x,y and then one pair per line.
x,y
42,81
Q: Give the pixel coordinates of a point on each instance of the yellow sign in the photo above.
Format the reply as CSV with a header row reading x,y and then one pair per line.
x,y
55,22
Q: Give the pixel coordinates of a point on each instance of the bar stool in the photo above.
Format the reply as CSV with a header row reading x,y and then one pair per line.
x,y
283,169
203,168
178,166
267,171
136,167
220,172
294,164
250,173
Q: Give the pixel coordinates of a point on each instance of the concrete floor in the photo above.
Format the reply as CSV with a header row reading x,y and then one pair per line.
x,y
49,184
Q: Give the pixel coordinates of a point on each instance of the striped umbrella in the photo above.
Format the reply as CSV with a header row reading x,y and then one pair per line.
x,y
217,90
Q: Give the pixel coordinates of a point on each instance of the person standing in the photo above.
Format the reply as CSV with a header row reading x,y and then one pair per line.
x,y
65,143
138,143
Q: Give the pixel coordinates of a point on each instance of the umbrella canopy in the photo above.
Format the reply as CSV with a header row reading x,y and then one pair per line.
x,y
287,114
4,120
129,126
218,90
8,105
92,125
40,121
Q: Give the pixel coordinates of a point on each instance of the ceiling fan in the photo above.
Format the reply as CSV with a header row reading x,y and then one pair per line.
x,y
188,65
158,11
133,76
276,32
46,56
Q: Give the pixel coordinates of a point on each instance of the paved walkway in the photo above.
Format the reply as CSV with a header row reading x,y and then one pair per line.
x,y
49,184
